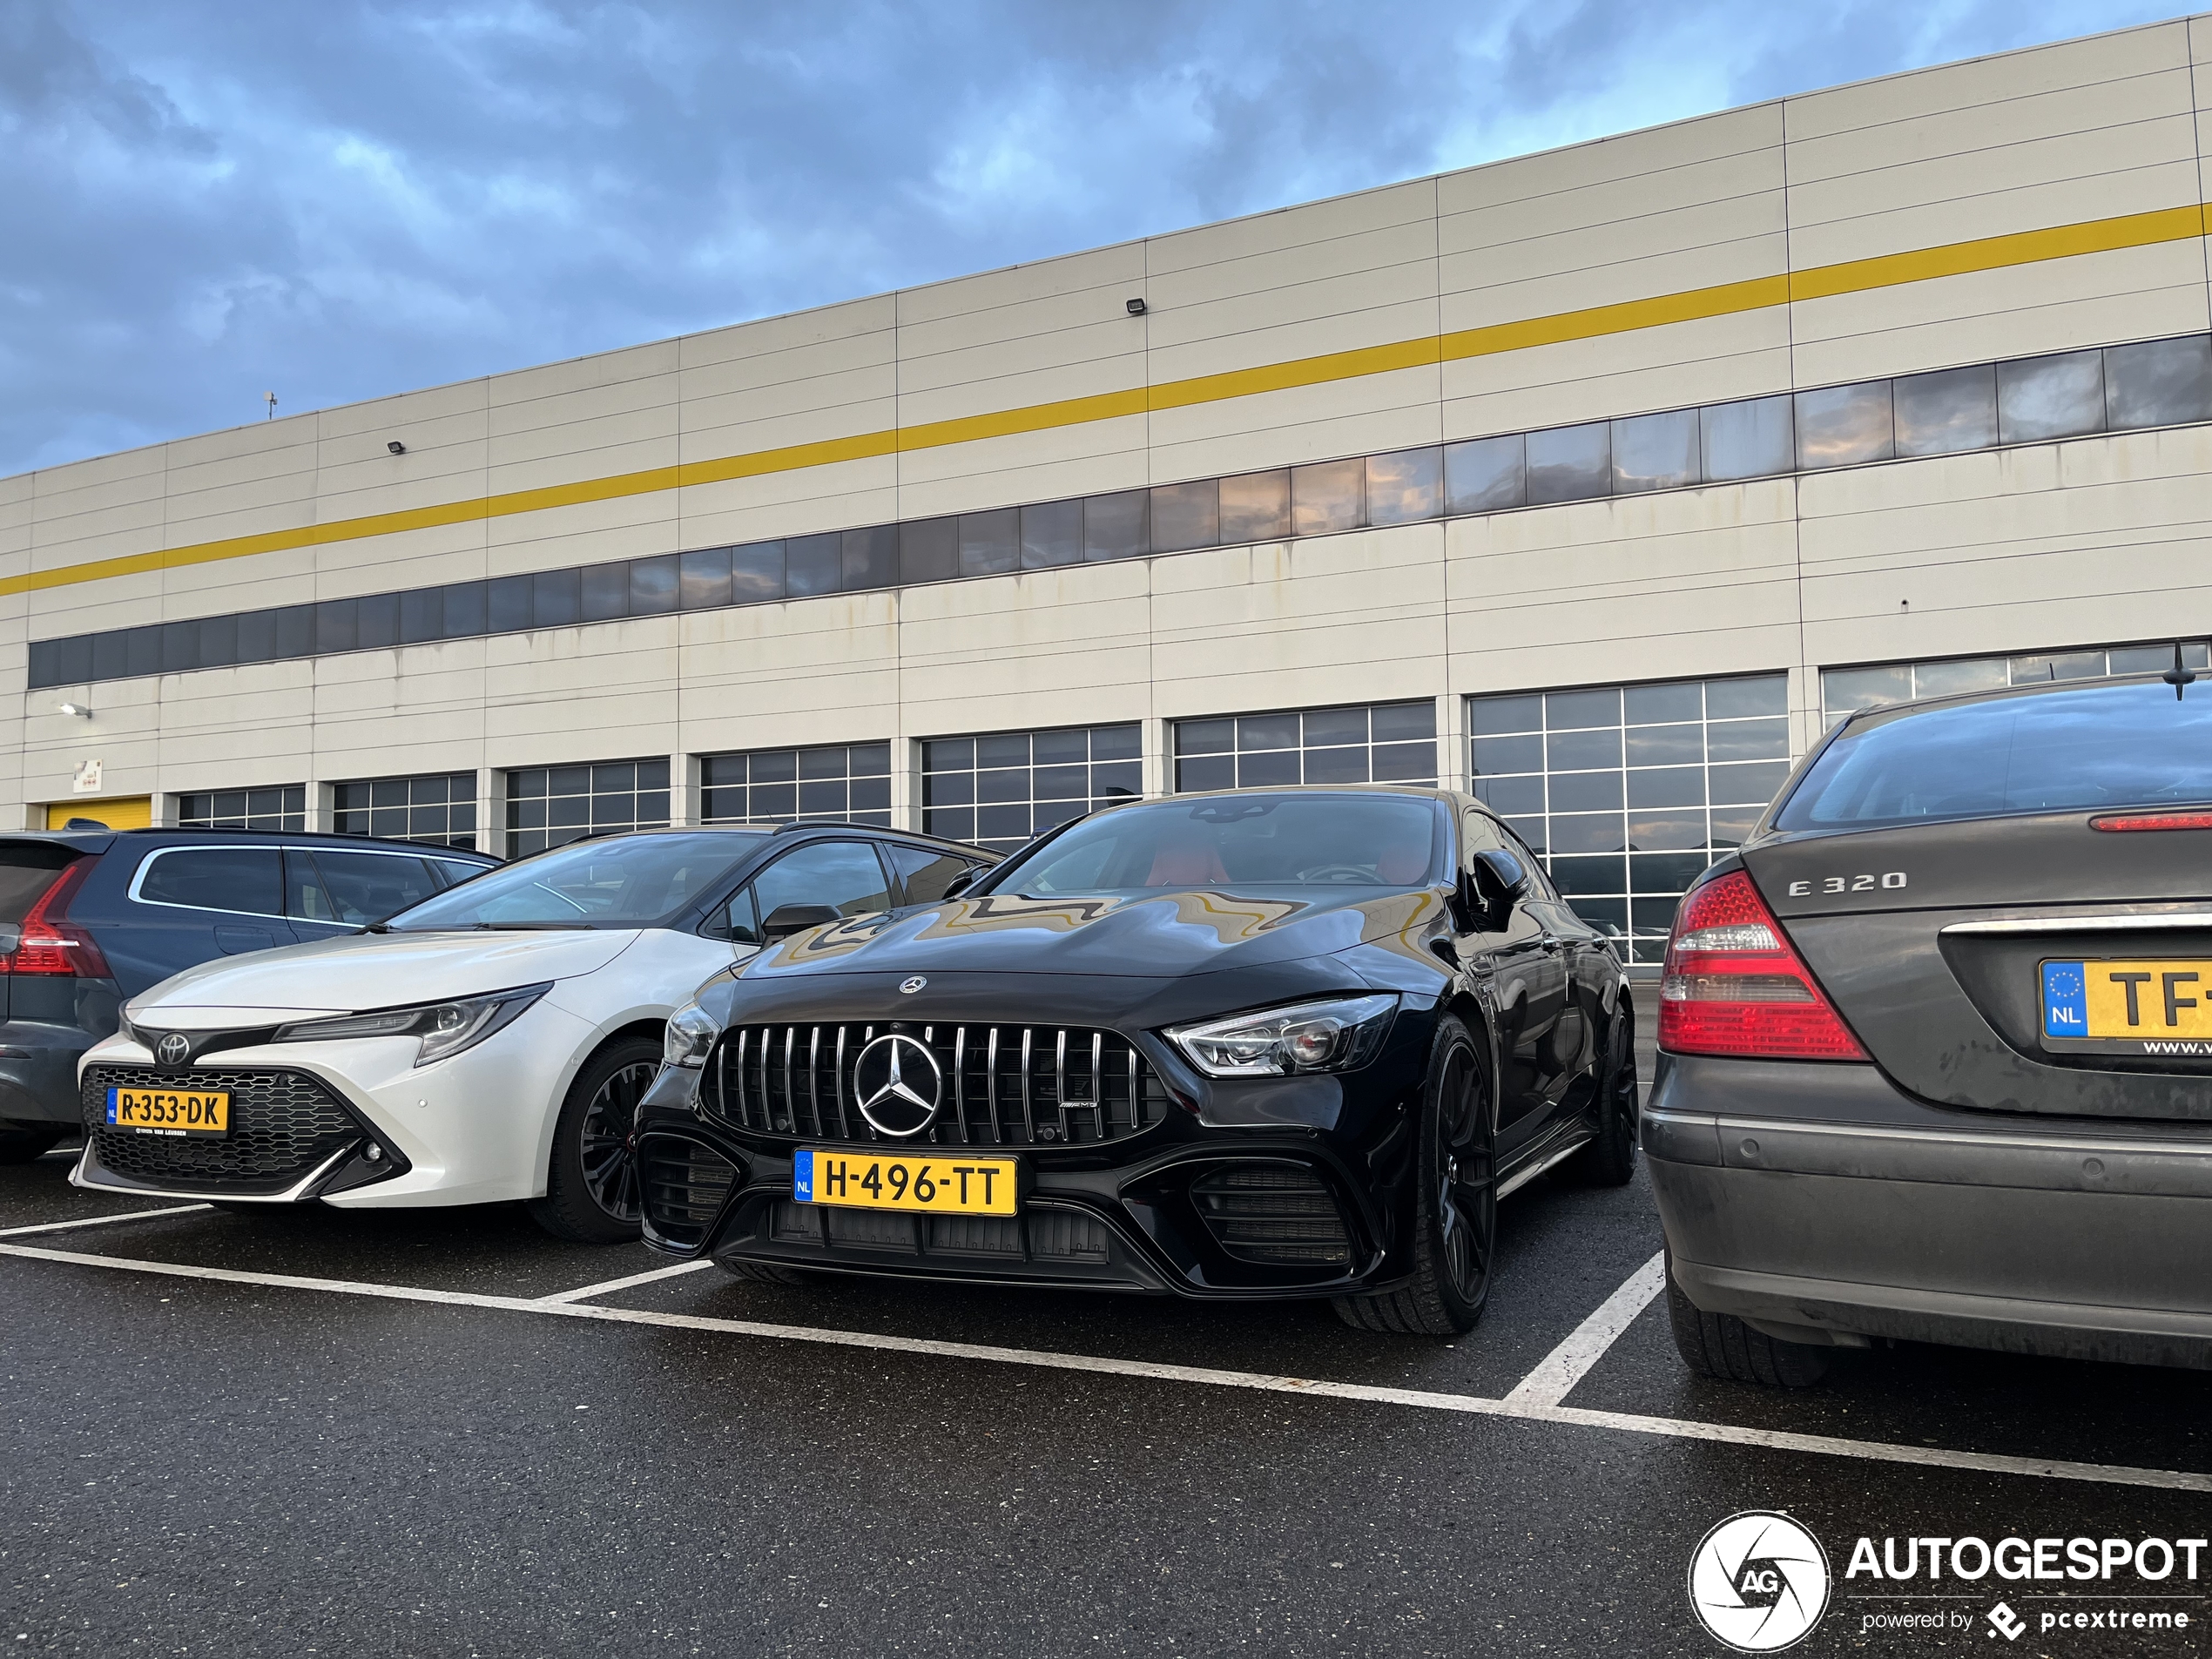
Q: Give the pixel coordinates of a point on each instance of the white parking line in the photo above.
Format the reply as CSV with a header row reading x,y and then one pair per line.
x,y
613,1284
101,1221
1567,1364
1667,1427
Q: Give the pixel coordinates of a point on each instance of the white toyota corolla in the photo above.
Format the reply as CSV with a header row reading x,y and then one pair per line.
x,y
489,1044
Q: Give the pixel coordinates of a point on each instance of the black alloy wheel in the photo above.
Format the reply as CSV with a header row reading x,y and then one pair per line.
x,y
591,1192
1455,1220
1609,1160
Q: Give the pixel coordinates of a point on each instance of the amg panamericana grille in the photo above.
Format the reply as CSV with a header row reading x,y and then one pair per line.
x,y
1000,1085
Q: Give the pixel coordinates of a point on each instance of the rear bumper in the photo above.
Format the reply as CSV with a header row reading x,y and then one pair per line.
x,y
38,1071
1818,1201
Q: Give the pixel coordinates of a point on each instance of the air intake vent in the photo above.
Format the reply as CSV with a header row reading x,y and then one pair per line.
x,y
1273,1213
686,1184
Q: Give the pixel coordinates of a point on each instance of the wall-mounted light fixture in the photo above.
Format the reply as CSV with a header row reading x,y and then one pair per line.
x,y
1137,307
396,447
78,709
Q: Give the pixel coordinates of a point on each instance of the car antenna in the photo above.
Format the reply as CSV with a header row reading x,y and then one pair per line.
x,y
2179,675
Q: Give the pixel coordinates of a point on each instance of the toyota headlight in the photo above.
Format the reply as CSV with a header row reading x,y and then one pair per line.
x,y
690,1037
1334,1033
445,1028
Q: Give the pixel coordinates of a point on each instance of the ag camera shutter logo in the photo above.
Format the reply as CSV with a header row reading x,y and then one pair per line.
x,y
1759,1581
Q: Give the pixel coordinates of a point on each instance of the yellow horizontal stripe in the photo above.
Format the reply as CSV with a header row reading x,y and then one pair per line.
x,y
1728,298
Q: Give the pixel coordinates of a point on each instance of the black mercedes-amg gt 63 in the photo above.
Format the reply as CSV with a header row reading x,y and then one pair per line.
x,y
1260,1043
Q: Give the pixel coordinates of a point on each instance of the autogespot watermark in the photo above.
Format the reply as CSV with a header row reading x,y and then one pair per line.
x,y
1760,1582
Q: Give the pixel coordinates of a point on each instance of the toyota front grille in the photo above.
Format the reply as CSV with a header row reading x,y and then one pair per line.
x,y
284,1126
995,1085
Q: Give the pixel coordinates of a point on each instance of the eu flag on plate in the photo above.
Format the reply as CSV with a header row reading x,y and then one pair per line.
x,y
2066,1001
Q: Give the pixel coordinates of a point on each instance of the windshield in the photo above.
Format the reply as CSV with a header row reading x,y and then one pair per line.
x,y
1238,841
2128,745
623,881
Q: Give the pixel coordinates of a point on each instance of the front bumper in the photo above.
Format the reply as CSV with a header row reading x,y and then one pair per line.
x,y
1181,1208
1819,1203
474,1128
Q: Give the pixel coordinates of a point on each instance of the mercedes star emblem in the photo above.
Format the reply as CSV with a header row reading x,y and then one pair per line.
x,y
909,987
898,1083
173,1050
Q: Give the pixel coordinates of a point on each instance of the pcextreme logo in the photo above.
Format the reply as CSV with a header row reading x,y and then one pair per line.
x,y
1759,1581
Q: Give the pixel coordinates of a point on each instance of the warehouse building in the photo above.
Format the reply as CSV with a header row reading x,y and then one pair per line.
x,y
1599,479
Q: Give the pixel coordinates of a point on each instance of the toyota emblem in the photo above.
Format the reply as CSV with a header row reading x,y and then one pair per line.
x,y
909,987
899,1084
173,1050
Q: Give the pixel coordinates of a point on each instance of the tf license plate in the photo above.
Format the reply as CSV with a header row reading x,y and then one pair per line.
x,y
941,1186
169,1111
2131,1006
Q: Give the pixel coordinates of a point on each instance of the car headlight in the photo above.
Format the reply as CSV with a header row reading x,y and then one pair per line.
x,y
690,1037
445,1028
1333,1034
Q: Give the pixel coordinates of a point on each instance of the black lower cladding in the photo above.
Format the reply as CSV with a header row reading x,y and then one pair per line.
x,y
685,1185
1280,1214
284,1125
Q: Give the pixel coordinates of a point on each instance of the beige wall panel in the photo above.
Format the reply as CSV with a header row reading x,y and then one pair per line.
x,y
1638,279
1367,415
796,365
2091,299
426,565
292,577
589,544
1291,227
455,473
612,460
713,435
1190,302
1035,612
1096,310
1653,153
1866,221
1603,264
1114,447
1287,624
99,533
1041,481
554,383
1675,366
59,613
354,429
1280,327
793,332
856,399
842,495
1015,287
247,507
2124,122
1727,192
199,468
1984,81
986,394
98,472
585,420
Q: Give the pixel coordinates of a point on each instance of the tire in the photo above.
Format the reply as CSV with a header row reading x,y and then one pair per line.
x,y
766,1272
1455,1203
591,1179
28,1143
1722,1347
1610,1159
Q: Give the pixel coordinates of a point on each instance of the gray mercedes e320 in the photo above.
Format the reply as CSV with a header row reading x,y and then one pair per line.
x,y
1935,1045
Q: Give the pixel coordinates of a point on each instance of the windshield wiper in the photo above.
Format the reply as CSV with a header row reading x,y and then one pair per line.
x,y
529,926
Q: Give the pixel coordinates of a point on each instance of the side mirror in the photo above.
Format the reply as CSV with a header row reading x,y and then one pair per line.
x,y
960,884
788,919
1507,878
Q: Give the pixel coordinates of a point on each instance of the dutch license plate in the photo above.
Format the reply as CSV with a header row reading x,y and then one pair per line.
x,y
169,1111
2133,1004
943,1186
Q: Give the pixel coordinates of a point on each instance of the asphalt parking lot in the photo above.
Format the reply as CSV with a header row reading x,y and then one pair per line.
x,y
443,1432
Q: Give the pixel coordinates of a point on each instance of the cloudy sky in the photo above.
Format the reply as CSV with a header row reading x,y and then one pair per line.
x,y
204,200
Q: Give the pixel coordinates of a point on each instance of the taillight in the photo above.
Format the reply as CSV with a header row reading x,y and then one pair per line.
x,y
2152,821
51,943
1733,986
